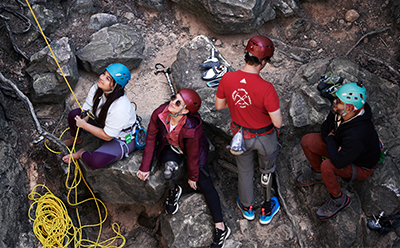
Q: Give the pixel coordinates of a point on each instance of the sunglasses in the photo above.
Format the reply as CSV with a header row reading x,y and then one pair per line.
x,y
177,102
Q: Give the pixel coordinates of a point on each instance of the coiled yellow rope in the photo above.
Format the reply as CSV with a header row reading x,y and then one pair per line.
x,y
52,224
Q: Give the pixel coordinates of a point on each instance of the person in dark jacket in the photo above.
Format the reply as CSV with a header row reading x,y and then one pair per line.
x,y
350,143
175,132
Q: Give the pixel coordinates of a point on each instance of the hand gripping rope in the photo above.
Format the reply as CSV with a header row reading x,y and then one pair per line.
x,y
52,225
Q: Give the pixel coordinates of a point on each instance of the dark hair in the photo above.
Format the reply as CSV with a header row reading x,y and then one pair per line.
x,y
117,93
253,60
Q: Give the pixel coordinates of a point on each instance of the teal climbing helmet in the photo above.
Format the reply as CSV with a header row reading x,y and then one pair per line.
x,y
352,93
120,73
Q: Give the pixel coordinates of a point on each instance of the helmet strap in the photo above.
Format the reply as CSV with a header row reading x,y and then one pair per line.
x,y
175,115
110,91
344,111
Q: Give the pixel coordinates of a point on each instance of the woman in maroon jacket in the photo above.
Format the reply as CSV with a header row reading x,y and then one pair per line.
x,y
175,132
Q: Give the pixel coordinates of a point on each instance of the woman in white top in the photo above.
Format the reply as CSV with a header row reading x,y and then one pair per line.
x,y
113,120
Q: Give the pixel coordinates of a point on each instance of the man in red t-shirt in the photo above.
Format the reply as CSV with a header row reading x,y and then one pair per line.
x,y
254,107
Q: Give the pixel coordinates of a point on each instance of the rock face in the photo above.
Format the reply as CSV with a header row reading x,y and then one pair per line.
x,y
236,16
118,43
48,81
157,5
46,18
101,20
16,230
193,218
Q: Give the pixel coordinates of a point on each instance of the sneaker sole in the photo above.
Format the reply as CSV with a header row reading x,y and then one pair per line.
x,y
332,215
269,221
246,217
177,204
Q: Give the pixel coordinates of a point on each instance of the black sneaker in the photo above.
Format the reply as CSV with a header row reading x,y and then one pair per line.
x,y
333,206
172,201
220,237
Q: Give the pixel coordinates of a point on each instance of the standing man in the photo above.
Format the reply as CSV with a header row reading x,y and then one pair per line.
x,y
349,142
254,106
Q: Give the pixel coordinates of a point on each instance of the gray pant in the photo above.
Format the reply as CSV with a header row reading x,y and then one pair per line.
x,y
264,145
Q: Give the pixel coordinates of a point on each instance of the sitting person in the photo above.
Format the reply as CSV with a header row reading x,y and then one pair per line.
x,y
175,132
113,120
349,142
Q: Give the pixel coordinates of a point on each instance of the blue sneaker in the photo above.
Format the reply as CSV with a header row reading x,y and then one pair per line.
x,y
248,213
266,217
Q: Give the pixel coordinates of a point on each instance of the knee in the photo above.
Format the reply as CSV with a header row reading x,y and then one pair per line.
x,y
305,140
73,113
327,167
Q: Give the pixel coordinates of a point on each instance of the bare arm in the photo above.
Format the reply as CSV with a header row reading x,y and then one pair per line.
x,y
276,118
220,103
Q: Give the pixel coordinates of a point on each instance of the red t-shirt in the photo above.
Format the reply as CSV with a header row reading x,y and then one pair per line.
x,y
249,98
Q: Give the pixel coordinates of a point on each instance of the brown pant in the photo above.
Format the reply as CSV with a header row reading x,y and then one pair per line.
x,y
314,148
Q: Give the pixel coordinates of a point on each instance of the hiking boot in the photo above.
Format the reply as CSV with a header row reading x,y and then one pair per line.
x,y
172,201
333,206
247,212
309,177
220,237
268,212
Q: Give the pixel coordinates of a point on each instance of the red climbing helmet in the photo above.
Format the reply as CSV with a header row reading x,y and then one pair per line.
x,y
192,99
260,46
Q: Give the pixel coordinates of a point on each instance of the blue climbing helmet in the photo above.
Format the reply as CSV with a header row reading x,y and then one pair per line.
x,y
353,93
120,73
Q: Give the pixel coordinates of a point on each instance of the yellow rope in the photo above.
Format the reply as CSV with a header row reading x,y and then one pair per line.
x,y
52,224
54,56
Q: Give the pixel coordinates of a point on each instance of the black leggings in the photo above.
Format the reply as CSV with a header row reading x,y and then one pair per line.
x,y
204,184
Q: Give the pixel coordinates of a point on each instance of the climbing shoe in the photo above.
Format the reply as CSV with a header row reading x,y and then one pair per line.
x,y
309,177
247,212
267,212
333,206
172,201
209,63
220,237
214,73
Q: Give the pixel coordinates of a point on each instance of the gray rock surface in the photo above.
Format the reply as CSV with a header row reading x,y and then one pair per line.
x,y
118,43
83,6
101,20
191,226
46,18
48,81
236,16
157,5
16,229
396,12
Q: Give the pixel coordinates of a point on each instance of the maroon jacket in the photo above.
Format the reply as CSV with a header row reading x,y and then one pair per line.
x,y
192,141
